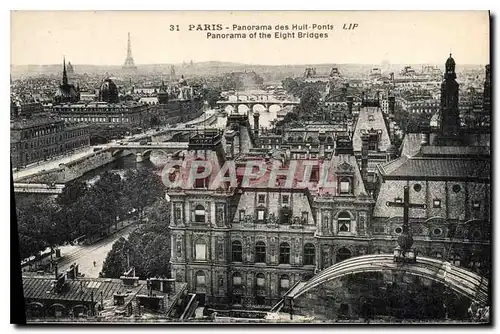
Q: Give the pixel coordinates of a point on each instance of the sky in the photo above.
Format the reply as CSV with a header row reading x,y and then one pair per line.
x,y
100,38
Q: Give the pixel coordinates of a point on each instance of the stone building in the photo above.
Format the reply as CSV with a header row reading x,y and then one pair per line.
x,y
246,244
36,135
449,171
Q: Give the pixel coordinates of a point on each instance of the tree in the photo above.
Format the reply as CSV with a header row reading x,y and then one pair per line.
x,y
309,101
40,226
116,261
142,188
71,192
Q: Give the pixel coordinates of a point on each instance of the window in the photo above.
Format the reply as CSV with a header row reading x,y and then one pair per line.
x,y
200,278
261,280
305,216
437,232
236,279
343,254
436,203
178,212
437,255
456,188
285,199
476,205
236,251
372,146
260,252
284,253
261,213
455,259
398,230
284,282
344,222
345,185
417,187
200,250
199,214
242,215
398,200
309,254
285,216
262,199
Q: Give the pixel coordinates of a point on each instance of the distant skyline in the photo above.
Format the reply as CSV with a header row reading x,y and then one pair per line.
x,y
100,38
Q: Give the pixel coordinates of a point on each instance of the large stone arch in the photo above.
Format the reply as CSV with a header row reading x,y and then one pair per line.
x,y
462,281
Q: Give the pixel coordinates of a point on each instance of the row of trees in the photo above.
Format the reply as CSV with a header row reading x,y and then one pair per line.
x,y
83,210
147,248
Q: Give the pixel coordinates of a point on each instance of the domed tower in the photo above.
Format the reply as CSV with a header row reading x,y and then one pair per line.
x,y
108,92
450,117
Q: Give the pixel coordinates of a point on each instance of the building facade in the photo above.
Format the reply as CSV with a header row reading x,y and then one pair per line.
x,y
40,138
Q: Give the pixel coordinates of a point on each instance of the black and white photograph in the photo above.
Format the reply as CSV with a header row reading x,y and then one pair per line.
x,y
251,167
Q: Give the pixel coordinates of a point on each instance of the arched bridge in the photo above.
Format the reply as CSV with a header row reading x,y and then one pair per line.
x,y
464,282
250,104
143,152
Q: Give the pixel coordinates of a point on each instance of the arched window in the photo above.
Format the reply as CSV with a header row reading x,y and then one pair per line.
x,y
236,251
344,222
261,280
437,255
343,254
309,254
284,282
199,214
260,252
200,250
329,139
284,253
455,259
236,279
200,278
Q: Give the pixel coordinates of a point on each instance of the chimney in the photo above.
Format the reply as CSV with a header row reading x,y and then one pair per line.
x,y
229,135
392,105
364,156
322,139
424,135
256,116
349,105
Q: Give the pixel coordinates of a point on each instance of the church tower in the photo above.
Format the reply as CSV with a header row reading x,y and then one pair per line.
x,y
450,117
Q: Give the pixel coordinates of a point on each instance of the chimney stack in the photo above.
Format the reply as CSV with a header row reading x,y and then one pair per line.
x,y
256,116
364,156
349,105
322,139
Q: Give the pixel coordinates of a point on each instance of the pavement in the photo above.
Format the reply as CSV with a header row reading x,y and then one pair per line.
x,y
51,164
85,255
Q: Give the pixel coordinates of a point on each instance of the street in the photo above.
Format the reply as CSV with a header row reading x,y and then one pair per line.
x,y
85,255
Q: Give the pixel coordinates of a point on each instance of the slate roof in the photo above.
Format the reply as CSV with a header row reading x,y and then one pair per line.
x,y
78,290
454,167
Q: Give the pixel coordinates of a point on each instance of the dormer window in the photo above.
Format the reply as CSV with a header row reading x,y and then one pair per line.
x,y
285,199
345,186
262,199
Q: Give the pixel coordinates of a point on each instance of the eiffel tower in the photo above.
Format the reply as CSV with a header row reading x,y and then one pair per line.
x,y
129,61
